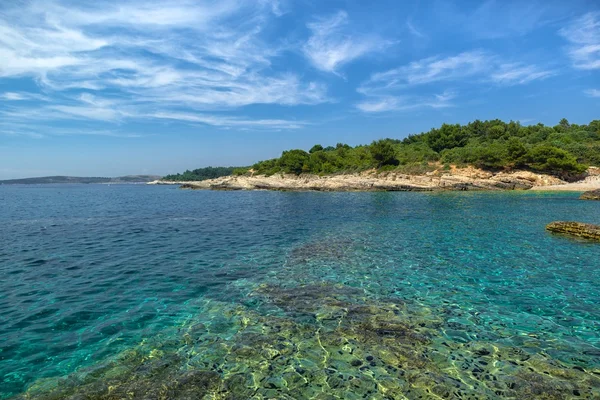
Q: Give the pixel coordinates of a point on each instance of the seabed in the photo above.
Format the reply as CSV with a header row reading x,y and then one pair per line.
x,y
322,340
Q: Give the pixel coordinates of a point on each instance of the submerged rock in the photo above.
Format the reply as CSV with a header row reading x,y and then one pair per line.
x,y
577,229
365,348
591,195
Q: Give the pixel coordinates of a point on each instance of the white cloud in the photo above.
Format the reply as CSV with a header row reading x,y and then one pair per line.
x,y
97,113
495,19
150,56
519,74
391,90
479,65
152,13
41,131
592,92
432,69
331,44
13,96
379,104
226,121
405,103
413,30
583,35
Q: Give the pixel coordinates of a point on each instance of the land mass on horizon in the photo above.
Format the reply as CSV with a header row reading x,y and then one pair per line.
x,y
77,179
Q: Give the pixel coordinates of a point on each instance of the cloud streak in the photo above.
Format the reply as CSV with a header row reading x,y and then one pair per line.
x,y
190,55
583,35
331,45
498,19
380,104
390,90
592,92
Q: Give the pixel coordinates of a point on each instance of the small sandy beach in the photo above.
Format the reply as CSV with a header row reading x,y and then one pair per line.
x,y
589,183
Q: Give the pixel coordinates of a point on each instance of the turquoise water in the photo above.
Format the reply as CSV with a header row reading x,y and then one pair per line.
x,y
154,292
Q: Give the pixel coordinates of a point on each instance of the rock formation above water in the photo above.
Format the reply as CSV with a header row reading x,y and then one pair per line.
x,y
591,195
455,179
576,229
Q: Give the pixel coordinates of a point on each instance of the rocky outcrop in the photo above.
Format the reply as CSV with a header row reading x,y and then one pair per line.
x,y
576,229
454,179
591,195
161,182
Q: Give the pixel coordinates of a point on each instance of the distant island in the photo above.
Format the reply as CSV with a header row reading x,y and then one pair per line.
x,y
75,179
481,154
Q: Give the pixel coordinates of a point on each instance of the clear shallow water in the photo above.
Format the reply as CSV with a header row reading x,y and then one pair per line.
x,y
265,294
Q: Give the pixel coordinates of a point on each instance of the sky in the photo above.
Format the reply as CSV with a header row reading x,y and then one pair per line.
x,y
111,88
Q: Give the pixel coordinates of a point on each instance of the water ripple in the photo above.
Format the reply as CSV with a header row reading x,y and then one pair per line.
x,y
94,272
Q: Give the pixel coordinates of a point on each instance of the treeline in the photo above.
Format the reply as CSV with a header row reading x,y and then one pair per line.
x,y
564,149
201,174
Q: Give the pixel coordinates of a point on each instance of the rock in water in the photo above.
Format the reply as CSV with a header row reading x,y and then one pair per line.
x,y
591,195
578,229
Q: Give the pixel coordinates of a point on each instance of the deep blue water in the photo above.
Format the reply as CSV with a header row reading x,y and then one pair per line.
x,y
89,271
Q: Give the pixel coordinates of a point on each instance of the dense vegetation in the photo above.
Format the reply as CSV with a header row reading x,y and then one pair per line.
x,y
565,149
201,174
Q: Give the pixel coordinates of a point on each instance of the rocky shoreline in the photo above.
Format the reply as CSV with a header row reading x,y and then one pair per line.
x,y
456,179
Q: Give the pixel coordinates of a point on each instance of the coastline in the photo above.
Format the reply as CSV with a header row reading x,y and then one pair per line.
x,y
455,179
587,184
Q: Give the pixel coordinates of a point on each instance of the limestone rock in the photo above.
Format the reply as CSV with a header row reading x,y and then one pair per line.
x,y
371,181
576,229
591,195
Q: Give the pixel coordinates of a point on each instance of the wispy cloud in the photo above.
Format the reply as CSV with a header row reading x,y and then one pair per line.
x,y
496,19
592,92
479,64
226,121
413,30
404,103
333,43
519,74
40,131
432,69
583,35
190,55
390,90
22,96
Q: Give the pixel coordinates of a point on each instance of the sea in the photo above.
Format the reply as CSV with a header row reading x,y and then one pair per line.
x,y
153,292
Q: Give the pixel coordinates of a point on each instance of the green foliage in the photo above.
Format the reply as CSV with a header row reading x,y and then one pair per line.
x,y
201,174
515,149
549,158
416,152
564,149
447,137
292,161
383,152
315,148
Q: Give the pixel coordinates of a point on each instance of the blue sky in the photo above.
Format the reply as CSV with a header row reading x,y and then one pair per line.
x,y
125,87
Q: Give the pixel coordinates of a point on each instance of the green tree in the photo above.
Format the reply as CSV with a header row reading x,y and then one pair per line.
x,y
516,150
383,152
548,158
496,132
292,161
315,148
447,137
